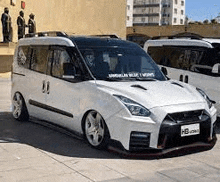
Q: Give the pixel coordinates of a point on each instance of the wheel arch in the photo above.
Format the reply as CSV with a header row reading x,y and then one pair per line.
x,y
84,119
25,113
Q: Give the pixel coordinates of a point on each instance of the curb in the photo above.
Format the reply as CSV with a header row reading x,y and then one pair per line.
x,y
5,75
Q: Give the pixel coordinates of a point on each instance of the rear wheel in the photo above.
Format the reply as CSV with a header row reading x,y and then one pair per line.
x,y
96,130
19,108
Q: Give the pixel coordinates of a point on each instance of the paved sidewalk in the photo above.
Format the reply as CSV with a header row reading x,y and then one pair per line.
x,y
30,152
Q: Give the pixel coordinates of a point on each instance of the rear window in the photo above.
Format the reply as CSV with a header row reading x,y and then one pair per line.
x,y
23,56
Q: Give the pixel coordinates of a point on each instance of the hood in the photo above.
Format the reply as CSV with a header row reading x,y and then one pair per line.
x,y
153,93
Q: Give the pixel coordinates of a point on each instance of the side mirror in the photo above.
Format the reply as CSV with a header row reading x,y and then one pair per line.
x,y
164,71
69,70
216,68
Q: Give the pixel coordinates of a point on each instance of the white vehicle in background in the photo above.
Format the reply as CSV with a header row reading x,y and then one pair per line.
x,y
109,91
194,61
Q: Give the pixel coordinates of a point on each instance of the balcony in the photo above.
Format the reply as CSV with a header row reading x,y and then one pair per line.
x,y
146,14
166,5
165,15
146,5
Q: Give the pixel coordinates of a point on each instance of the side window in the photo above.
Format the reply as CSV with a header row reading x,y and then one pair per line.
x,y
156,54
39,59
23,56
60,58
49,63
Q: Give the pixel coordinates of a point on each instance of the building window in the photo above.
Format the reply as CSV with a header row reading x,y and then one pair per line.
x,y
181,21
182,3
176,1
174,20
182,12
143,19
128,18
128,7
175,11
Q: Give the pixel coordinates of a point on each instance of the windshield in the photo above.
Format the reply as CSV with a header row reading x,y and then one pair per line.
x,y
114,63
217,53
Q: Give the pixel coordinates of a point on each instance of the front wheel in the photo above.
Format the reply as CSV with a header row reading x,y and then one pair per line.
x,y
19,108
96,130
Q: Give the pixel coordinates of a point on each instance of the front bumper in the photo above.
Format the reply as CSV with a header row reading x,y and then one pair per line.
x,y
170,152
166,136
170,129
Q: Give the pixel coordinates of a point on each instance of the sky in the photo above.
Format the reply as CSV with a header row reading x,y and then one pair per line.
x,y
199,10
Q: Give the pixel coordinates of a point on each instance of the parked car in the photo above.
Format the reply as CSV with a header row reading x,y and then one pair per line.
x,y
192,60
109,91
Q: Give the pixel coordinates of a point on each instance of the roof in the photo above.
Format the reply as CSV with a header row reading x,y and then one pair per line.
x,y
212,40
64,41
179,42
90,41
61,38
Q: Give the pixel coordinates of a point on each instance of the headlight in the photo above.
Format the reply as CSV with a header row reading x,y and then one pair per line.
x,y
134,108
208,100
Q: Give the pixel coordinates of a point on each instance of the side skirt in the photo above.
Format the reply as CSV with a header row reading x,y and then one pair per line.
x,y
58,128
50,108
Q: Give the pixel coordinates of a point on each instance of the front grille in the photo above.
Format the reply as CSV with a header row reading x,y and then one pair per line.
x,y
170,130
185,117
139,141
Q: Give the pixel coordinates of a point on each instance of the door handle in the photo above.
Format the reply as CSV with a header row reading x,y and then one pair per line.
x,y
48,87
186,79
44,86
181,78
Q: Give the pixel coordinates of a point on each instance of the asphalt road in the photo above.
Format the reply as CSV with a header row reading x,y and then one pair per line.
x,y
33,151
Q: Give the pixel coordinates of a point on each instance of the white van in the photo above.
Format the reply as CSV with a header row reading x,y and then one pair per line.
x,y
109,91
195,61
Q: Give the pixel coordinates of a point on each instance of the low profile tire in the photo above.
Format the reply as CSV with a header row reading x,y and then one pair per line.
x,y
96,131
19,111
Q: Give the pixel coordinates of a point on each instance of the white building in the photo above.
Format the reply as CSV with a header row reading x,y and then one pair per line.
x,y
158,12
218,18
129,19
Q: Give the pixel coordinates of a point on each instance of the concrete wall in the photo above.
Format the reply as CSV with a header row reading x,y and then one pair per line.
x,y
81,17
75,16
5,63
6,56
151,31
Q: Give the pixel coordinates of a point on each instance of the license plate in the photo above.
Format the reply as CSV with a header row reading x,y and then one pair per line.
x,y
188,130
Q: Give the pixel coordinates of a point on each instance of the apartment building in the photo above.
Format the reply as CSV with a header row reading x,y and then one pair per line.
x,y
129,19
218,18
158,12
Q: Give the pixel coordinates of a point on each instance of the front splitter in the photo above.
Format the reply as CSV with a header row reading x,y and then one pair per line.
x,y
171,152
